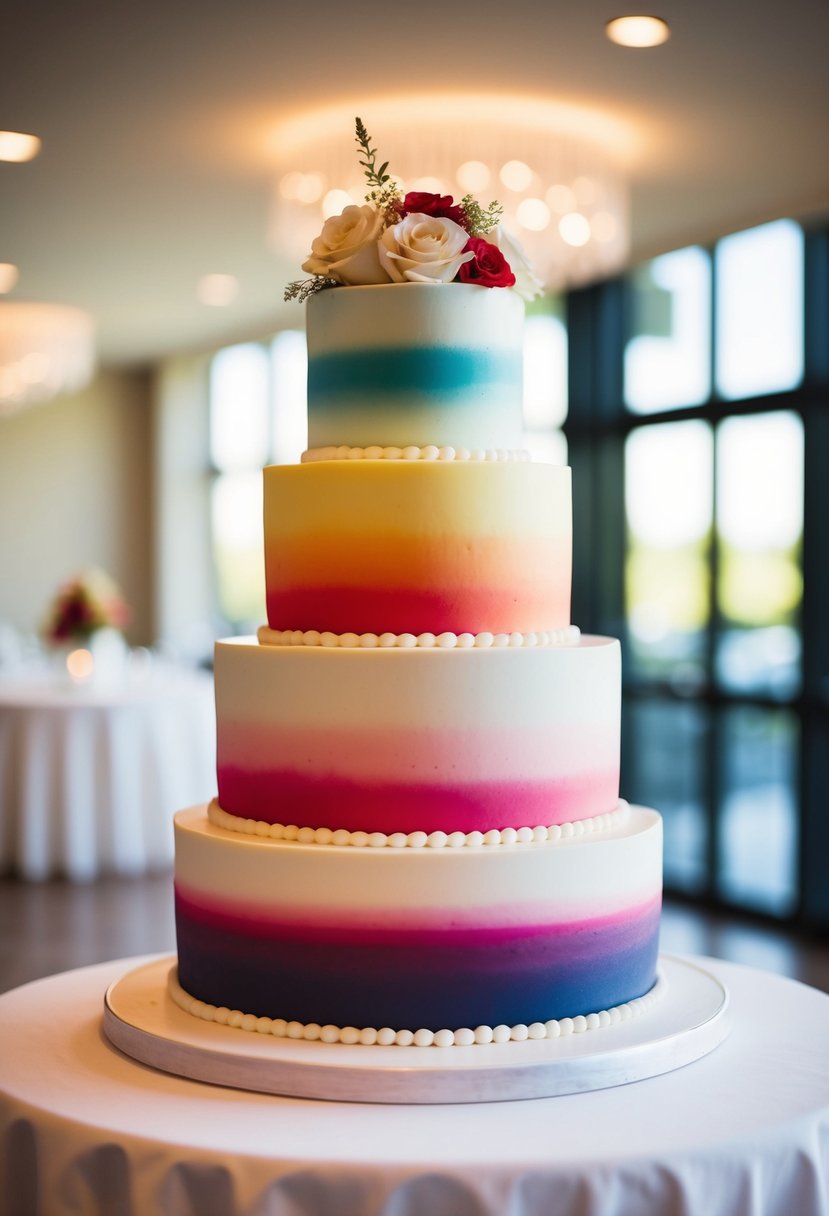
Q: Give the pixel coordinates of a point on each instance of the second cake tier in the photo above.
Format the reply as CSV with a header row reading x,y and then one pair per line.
x,y
373,545
418,740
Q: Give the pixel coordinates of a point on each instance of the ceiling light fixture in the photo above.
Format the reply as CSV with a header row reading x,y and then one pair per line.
x,y
638,31
17,146
545,162
45,350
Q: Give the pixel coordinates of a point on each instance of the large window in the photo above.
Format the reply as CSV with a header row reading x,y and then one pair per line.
x,y
699,412
257,417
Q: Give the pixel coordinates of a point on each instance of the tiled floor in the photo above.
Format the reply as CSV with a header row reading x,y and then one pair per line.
x,y
55,926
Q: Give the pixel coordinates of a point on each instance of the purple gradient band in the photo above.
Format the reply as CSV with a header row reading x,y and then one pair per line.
x,y
413,978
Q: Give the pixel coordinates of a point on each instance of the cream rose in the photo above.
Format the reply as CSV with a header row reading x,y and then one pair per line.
x,y
346,249
527,283
424,249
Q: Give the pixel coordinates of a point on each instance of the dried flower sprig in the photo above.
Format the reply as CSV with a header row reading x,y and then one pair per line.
x,y
480,220
301,289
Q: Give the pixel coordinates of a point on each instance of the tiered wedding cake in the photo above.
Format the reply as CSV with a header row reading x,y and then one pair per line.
x,y
418,834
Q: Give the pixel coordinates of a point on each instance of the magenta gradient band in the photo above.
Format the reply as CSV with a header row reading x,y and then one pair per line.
x,y
280,796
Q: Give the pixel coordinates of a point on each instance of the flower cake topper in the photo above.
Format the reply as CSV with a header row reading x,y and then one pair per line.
x,y
413,238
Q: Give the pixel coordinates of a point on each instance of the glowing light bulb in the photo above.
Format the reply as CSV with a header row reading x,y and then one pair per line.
x,y
533,214
516,175
80,664
17,146
561,199
473,176
574,229
310,187
335,201
638,31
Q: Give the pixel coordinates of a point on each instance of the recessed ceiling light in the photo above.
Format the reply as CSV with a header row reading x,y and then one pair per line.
x,y
17,146
8,277
638,31
217,289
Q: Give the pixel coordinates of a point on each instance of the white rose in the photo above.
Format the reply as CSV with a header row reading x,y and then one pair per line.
x,y
424,249
346,249
527,283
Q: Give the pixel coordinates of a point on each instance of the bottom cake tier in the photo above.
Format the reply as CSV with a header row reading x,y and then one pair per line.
x,y
417,938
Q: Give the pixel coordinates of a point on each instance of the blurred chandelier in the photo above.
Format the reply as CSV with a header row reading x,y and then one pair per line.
x,y
558,171
45,350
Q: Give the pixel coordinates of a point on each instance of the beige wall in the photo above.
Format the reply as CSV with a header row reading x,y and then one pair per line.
x,y
75,491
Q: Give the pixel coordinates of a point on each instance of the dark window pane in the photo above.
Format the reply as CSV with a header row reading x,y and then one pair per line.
x,y
667,763
758,815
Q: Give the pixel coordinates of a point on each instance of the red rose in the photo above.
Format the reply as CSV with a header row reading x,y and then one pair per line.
x,y
442,206
488,268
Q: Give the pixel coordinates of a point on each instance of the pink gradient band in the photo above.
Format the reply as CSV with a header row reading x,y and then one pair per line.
x,y
285,797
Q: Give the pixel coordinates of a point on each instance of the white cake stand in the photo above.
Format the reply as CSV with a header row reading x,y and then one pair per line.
x,y
689,1021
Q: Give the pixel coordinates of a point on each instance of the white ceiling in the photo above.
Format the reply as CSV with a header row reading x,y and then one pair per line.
x,y
157,122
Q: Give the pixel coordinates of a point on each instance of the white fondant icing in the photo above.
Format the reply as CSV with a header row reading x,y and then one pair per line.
x,y
564,881
608,822
387,1037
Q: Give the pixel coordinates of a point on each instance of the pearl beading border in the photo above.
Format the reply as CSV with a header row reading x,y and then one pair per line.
x,y
568,636
595,826
429,452
556,1028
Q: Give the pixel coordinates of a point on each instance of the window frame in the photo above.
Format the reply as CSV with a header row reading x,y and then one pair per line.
x,y
599,322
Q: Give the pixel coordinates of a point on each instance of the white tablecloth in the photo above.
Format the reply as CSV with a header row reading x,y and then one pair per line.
x,y
742,1132
90,778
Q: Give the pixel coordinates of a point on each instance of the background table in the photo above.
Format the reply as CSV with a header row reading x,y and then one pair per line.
x,y
90,777
742,1132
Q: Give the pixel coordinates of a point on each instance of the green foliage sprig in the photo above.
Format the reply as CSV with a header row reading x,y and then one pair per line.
x,y
384,193
376,177
480,220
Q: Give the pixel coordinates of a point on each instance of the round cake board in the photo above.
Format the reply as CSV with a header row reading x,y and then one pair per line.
x,y
689,1021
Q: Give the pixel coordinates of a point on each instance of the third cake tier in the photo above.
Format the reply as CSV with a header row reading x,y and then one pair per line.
x,y
420,739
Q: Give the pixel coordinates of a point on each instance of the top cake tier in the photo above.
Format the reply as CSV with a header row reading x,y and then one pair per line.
x,y
415,364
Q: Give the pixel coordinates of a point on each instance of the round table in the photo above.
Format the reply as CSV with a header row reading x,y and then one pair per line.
x,y
90,777
742,1132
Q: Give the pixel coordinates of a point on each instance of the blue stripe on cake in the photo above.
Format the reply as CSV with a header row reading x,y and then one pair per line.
x,y
425,370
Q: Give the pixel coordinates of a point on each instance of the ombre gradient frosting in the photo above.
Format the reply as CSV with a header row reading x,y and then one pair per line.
x,y
418,740
411,938
409,547
401,364
417,687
